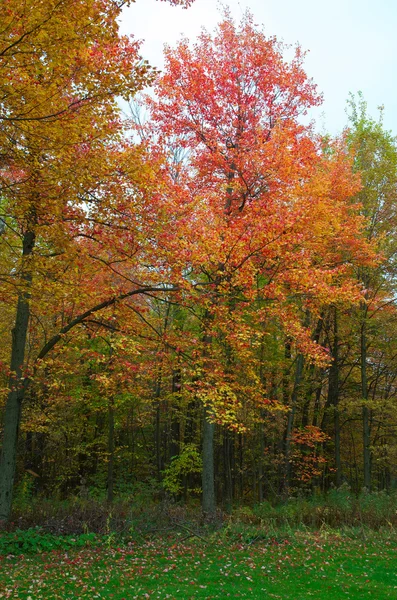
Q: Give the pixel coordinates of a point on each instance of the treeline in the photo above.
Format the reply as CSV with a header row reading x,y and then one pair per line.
x,y
201,302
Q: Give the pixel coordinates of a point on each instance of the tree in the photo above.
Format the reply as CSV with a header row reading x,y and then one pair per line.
x,y
62,65
271,227
376,160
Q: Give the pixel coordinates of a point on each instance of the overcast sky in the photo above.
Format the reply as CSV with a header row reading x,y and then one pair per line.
x,y
352,43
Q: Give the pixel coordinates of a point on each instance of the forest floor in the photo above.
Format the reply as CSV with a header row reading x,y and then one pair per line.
x,y
325,565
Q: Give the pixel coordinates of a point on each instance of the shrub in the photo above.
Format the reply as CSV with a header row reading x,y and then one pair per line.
x,y
188,462
32,541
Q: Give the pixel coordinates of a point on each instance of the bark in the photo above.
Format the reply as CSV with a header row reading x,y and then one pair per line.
x,y
175,414
365,409
159,462
317,401
290,423
208,474
333,399
241,465
260,463
261,428
227,461
110,474
311,378
208,482
17,386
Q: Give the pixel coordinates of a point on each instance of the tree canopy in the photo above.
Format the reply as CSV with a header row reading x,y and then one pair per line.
x,y
209,291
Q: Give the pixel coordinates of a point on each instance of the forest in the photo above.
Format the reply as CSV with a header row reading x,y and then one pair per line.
x,y
197,288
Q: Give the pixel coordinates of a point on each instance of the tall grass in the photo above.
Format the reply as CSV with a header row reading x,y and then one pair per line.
x,y
140,514
338,508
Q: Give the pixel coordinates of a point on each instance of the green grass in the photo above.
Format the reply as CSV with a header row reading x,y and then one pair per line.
x,y
326,566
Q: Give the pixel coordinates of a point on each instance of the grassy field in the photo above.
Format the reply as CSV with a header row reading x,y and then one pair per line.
x,y
326,566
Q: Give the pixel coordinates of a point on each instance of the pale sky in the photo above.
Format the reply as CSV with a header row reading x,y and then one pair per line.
x,y
352,44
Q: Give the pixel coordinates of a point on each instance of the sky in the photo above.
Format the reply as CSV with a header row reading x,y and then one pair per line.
x,y
351,44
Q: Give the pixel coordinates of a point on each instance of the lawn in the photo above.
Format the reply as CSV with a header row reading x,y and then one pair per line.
x,y
304,566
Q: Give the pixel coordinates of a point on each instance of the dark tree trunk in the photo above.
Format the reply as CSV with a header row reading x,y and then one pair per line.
x,y
208,483
365,409
17,387
311,377
227,463
333,398
261,474
290,423
241,465
175,414
157,435
110,475
317,402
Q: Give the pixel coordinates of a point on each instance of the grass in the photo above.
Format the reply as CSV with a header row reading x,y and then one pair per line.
x,y
138,510
305,565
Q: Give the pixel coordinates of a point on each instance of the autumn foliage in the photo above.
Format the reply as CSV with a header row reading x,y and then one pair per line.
x,y
195,281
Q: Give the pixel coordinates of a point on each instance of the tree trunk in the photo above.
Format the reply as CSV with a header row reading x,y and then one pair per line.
x,y
290,423
364,393
208,483
110,475
175,439
311,377
241,465
227,463
208,476
261,474
333,399
157,434
17,387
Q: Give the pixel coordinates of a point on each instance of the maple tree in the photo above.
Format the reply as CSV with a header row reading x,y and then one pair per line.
x,y
201,289
63,64
277,203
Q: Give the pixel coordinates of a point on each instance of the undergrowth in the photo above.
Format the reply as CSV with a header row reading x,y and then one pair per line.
x,y
32,541
135,518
